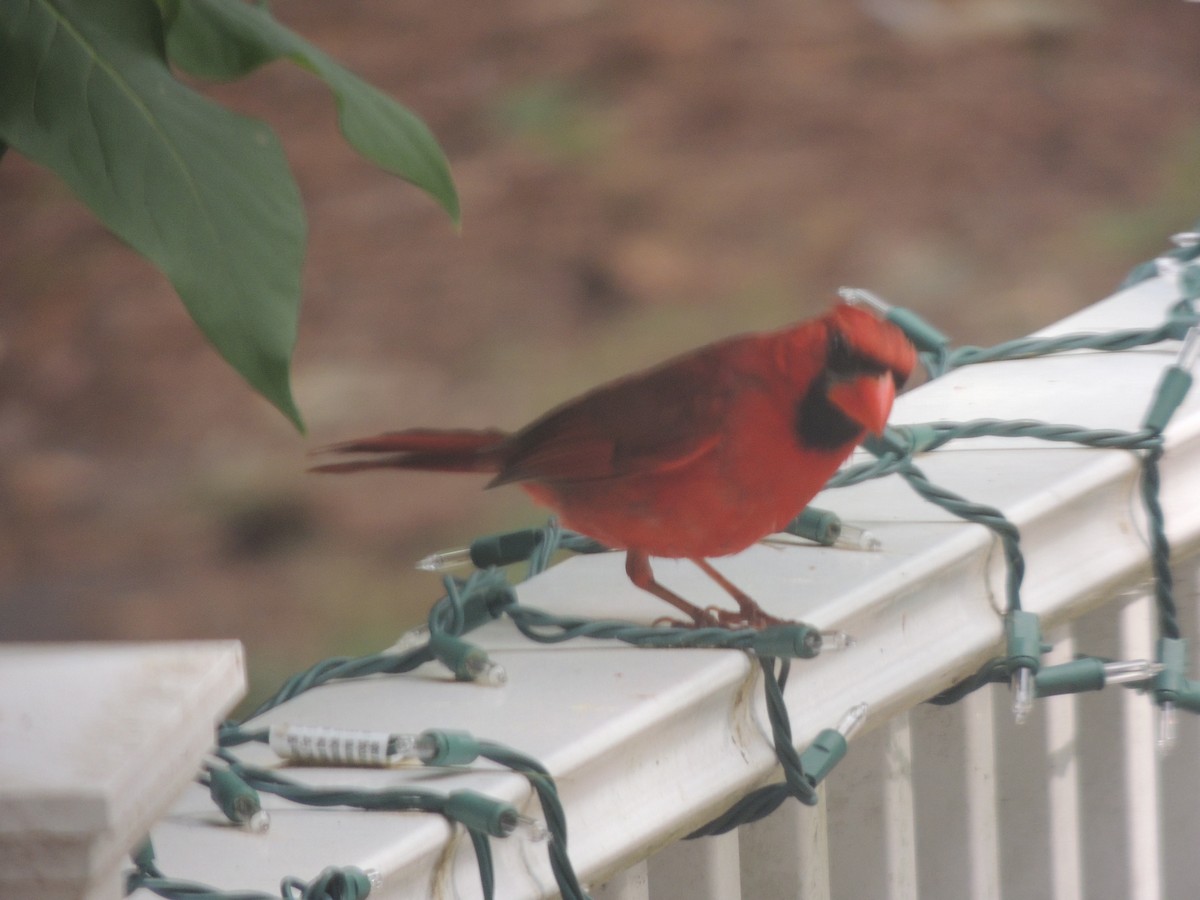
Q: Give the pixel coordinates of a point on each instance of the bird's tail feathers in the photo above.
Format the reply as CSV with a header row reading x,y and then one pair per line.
x,y
420,449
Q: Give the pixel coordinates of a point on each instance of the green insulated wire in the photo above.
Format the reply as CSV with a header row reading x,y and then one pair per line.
x,y
333,883
479,815
556,818
765,800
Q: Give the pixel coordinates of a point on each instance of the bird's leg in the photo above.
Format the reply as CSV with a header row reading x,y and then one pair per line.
x,y
750,614
637,567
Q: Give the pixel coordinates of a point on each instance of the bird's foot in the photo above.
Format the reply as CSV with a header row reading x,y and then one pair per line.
x,y
700,618
668,622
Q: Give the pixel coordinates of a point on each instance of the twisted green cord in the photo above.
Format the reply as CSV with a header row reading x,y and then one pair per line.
x,y
467,604
464,606
1031,347
942,433
894,456
343,668
487,869
1160,548
995,671
1182,252
333,883
386,800
982,514
545,628
552,811
763,801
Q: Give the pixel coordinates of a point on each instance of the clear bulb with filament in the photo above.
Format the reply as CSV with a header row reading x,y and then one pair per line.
x,y
852,720
444,560
1131,671
851,537
1168,727
529,828
1023,693
837,640
1190,351
483,671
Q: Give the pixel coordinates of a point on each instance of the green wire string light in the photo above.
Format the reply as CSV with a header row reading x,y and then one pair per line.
x,y
802,772
348,883
483,817
486,595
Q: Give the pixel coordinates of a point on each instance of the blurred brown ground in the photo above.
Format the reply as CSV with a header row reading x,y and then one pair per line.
x,y
636,179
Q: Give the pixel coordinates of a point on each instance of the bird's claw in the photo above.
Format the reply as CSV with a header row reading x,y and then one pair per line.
x,y
741,619
668,622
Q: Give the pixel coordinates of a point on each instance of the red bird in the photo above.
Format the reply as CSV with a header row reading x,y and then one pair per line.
x,y
700,456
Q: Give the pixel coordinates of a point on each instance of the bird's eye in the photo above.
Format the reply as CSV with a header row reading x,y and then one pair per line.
x,y
838,361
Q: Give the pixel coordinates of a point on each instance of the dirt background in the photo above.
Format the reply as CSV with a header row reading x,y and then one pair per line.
x,y
635,179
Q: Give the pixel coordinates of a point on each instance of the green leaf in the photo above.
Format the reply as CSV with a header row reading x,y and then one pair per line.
x,y
204,193
221,40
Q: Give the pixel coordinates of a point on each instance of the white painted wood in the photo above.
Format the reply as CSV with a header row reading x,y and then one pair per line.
x,y
1141,776
1062,771
631,884
939,791
857,819
96,741
1179,773
983,842
704,869
899,826
786,855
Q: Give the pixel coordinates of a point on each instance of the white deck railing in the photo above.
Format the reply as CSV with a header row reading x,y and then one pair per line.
x,y
930,802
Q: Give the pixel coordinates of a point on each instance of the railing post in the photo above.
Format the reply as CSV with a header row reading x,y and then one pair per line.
x,y
1143,831
871,826
704,869
1062,765
899,829
983,845
1179,770
786,855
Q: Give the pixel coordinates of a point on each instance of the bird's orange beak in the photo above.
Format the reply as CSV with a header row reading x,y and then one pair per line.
x,y
866,399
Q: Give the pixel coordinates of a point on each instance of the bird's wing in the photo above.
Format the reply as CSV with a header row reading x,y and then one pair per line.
x,y
649,422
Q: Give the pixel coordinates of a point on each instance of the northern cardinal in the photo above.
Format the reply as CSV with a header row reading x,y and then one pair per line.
x,y
698,457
